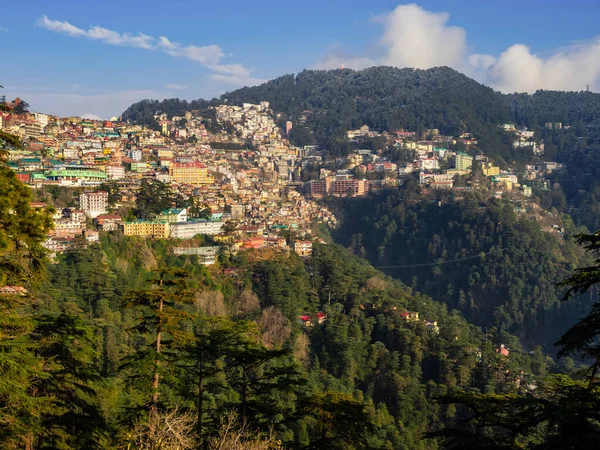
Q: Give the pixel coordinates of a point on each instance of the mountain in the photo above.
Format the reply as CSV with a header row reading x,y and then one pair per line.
x,y
325,104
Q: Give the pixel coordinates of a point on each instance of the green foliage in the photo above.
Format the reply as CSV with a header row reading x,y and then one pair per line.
x,y
22,230
340,421
477,255
384,367
576,187
152,198
159,317
562,412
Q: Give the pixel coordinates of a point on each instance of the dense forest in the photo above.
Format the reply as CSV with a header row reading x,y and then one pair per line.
x,y
476,254
366,359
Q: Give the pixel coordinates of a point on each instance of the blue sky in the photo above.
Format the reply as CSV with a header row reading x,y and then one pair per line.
x,y
96,58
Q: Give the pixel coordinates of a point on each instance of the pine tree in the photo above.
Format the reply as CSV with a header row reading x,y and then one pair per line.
x,y
160,316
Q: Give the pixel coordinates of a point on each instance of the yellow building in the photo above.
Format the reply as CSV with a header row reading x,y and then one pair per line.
x,y
165,127
193,173
155,229
491,171
164,153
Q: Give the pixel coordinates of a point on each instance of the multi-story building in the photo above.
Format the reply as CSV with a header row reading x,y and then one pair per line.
x,y
193,173
237,212
173,215
42,119
330,186
189,229
76,173
463,161
135,154
115,172
303,248
154,228
93,203
206,255
31,129
108,222
491,170
67,228
76,215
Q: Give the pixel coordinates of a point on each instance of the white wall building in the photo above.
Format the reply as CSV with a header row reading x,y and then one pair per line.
x,y
115,172
189,229
93,203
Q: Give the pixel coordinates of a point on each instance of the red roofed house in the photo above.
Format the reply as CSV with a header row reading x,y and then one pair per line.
x,y
502,350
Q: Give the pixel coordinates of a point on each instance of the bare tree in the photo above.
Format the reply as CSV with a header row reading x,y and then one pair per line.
x,y
276,328
165,430
234,435
211,303
247,302
375,284
301,348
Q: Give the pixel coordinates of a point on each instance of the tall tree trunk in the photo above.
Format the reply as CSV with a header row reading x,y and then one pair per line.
x,y
594,372
200,401
156,376
244,394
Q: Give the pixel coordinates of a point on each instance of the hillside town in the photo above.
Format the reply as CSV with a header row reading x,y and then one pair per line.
x,y
241,180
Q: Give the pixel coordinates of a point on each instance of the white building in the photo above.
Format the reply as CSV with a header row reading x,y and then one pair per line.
x,y
206,255
42,119
114,172
303,248
189,229
429,163
93,203
135,154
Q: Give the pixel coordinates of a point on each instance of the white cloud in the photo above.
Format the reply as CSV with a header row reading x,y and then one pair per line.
x,y
91,116
97,33
209,56
232,69
206,55
484,62
571,68
4,29
177,87
421,39
59,27
163,42
414,37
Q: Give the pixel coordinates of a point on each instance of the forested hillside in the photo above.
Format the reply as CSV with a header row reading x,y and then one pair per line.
x,y
576,144
478,255
366,355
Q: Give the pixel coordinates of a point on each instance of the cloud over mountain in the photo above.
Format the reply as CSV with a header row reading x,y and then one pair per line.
x,y
414,37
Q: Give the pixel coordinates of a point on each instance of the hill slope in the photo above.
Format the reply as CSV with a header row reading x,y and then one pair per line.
x,y
437,240
365,347
328,103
